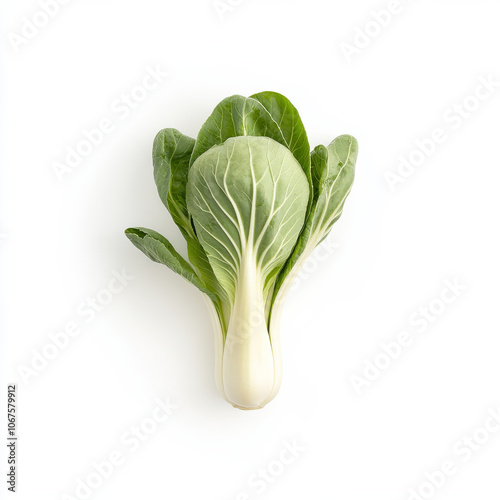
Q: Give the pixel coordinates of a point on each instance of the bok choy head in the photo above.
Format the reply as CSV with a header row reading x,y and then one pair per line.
x,y
252,203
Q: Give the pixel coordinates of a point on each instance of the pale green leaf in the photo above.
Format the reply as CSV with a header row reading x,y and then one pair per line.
x,y
248,196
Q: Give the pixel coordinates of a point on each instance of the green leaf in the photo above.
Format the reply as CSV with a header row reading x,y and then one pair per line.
x,y
267,114
248,198
333,175
160,250
284,113
199,259
332,170
171,154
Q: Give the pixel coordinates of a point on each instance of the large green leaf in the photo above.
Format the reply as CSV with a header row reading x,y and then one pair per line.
x,y
284,113
248,198
160,250
171,154
267,114
332,170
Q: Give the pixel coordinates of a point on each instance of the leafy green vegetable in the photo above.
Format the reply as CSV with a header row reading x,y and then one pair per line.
x,y
252,203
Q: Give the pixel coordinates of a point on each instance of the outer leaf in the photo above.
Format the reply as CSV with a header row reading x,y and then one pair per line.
x,y
284,113
171,154
267,114
160,250
333,177
332,174
247,197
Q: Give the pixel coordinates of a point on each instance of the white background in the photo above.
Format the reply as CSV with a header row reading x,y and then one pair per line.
x,y
394,249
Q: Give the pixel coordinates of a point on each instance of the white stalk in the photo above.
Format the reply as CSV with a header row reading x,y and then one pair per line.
x,y
248,365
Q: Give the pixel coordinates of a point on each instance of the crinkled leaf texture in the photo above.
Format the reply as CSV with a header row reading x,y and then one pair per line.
x,y
252,203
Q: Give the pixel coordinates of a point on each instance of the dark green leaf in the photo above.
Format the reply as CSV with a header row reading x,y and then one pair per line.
x,y
284,113
267,114
160,250
171,154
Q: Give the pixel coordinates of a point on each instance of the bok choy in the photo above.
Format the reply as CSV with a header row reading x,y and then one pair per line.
x,y
252,202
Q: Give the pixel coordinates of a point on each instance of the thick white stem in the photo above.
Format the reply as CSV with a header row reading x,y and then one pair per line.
x,y
248,365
